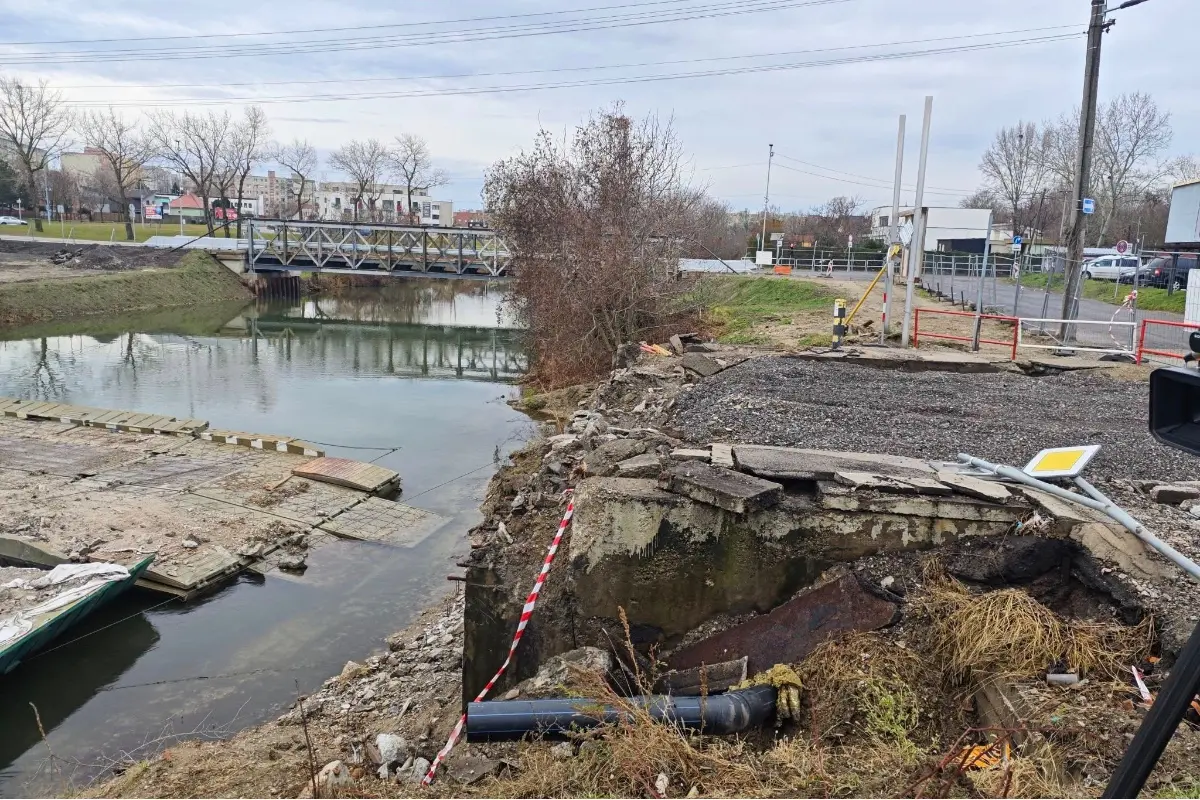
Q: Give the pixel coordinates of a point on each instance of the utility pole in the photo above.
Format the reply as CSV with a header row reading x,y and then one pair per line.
x,y
1083,165
762,242
893,234
916,248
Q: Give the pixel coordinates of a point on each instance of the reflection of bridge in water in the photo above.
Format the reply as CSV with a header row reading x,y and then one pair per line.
x,y
436,351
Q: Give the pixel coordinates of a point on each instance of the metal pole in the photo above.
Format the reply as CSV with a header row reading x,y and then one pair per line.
x,y
894,233
916,250
1083,164
762,242
987,249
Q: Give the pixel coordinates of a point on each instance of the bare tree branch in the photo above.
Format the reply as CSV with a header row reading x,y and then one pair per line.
x,y
366,163
194,144
248,147
410,160
35,123
300,157
125,151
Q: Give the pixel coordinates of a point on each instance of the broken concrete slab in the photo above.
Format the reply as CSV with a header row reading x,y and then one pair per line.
x,y
722,488
691,454
790,632
722,455
975,487
676,344
704,679
790,463
1116,545
883,483
835,496
647,465
1173,494
702,365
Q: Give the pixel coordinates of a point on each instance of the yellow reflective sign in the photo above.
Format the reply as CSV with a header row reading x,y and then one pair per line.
x,y
1061,462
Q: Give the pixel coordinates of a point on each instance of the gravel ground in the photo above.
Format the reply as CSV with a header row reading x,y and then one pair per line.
x,y
1003,417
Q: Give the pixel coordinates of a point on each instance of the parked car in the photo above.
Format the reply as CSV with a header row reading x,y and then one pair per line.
x,y
1160,270
12,221
1110,268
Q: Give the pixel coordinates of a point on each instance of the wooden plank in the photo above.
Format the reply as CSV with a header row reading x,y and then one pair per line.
x,y
109,416
132,423
195,425
301,448
149,425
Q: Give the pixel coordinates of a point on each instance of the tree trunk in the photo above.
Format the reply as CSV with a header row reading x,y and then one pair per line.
x,y
128,221
33,205
300,200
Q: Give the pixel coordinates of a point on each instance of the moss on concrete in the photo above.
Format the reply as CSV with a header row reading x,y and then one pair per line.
x,y
197,279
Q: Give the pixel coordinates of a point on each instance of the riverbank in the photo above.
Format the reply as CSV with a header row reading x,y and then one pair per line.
x,y
657,416
41,283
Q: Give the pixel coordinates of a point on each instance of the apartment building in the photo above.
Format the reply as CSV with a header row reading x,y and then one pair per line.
x,y
334,200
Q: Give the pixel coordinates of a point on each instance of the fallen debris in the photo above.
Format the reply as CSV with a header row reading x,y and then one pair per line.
x,y
719,487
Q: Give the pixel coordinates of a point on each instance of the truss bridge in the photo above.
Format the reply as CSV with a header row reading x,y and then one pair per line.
x,y
369,247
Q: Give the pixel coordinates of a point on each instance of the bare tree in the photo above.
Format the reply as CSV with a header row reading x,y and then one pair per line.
x,y
832,223
34,124
125,151
300,157
248,147
366,163
1183,168
1131,134
983,198
411,162
1014,168
598,223
193,144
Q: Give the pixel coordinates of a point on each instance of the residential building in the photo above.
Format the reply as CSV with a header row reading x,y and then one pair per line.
x,y
471,218
334,200
946,229
189,206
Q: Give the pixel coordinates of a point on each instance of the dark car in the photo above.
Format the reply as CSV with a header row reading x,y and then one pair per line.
x,y
1158,272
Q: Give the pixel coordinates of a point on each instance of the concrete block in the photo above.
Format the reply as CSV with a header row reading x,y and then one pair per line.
x,y
975,487
1172,494
690,454
701,364
647,465
790,463
722,488
722,455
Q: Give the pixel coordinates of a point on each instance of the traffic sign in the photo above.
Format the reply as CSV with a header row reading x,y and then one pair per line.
x,y
1089,205
1017,241
1122,247
906,233
1060,462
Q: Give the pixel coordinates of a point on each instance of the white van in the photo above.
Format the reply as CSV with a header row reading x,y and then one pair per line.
x,y
1110,268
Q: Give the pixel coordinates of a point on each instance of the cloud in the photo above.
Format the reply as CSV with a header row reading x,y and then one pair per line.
x,y
839,116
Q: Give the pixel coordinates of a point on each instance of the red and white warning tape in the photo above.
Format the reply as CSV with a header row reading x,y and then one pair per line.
x,y
526,614
1127,305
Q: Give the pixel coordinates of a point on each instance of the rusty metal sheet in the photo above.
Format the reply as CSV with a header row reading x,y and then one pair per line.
x,y
793,630
347,472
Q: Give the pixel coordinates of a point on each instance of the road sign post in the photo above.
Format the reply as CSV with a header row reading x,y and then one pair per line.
x,y
1089,205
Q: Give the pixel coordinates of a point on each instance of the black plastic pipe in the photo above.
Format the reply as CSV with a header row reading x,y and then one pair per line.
x,y
505,720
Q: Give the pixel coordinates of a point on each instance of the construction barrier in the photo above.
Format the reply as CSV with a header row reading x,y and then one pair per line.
x,y
1076,342
1164,340
918,335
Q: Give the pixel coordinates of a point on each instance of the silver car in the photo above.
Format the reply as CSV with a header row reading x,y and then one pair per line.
x,y
12,221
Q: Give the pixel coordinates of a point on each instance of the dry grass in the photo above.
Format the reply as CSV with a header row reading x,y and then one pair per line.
x,y
1007,632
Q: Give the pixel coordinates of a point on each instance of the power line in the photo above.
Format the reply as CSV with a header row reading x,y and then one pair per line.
x,y
191,37
584,83
308,47
444,76
868,177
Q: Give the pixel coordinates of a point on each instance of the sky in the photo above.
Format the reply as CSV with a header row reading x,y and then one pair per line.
x,y
824,81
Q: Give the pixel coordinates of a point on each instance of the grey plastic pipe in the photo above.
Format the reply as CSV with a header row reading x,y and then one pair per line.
x,y
505,720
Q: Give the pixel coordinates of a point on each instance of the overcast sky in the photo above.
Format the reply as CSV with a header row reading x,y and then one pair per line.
x,y
840,117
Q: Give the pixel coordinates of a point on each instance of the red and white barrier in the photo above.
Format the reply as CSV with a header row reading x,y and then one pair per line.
x,y
526,614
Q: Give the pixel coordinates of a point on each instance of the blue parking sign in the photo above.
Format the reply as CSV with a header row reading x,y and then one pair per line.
x,y
1089,205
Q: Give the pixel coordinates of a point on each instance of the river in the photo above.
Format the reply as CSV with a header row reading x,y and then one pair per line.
x,y
421,366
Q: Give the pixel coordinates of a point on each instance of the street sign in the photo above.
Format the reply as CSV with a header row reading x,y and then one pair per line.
x,y
906,233
1016,247
1017,240
764,258
1061,462
1122,247
1089,205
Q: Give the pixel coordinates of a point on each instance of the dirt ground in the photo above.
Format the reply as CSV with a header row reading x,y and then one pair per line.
x,y
25,261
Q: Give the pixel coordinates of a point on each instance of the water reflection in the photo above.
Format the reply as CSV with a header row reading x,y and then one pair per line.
x,y
364,369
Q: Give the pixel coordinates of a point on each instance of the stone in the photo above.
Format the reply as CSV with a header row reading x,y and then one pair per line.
x,y
888,582
646,465
190,544
690,454
333,777
722,455
719,487
468,768
392,748
1171,494
417,772
974,487
562,670
352,670
699,347
789,632
511,694
563,751
676,344
621,449
790,463
252,551
293,562
701,364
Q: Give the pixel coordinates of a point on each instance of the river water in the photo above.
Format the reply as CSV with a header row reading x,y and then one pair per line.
x,y
422,366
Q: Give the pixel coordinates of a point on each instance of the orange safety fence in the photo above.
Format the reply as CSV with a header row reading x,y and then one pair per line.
x,y
917,312
1163,334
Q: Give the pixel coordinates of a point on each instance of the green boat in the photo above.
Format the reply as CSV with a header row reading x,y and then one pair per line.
x,y
50,625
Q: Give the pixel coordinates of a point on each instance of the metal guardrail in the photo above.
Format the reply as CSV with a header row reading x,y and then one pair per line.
x,y
918,335
1157,343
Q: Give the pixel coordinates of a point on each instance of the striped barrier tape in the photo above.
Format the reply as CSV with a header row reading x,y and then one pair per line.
x,y
526,614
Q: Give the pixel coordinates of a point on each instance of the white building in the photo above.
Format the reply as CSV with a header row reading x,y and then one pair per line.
x,y
946,229
334,200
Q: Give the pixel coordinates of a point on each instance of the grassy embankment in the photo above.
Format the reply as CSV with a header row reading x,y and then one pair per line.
x,y
104,231
198,279
1149,298
740,309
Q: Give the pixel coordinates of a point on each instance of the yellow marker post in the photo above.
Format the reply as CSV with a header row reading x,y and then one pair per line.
x,y
1061,462
839,323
